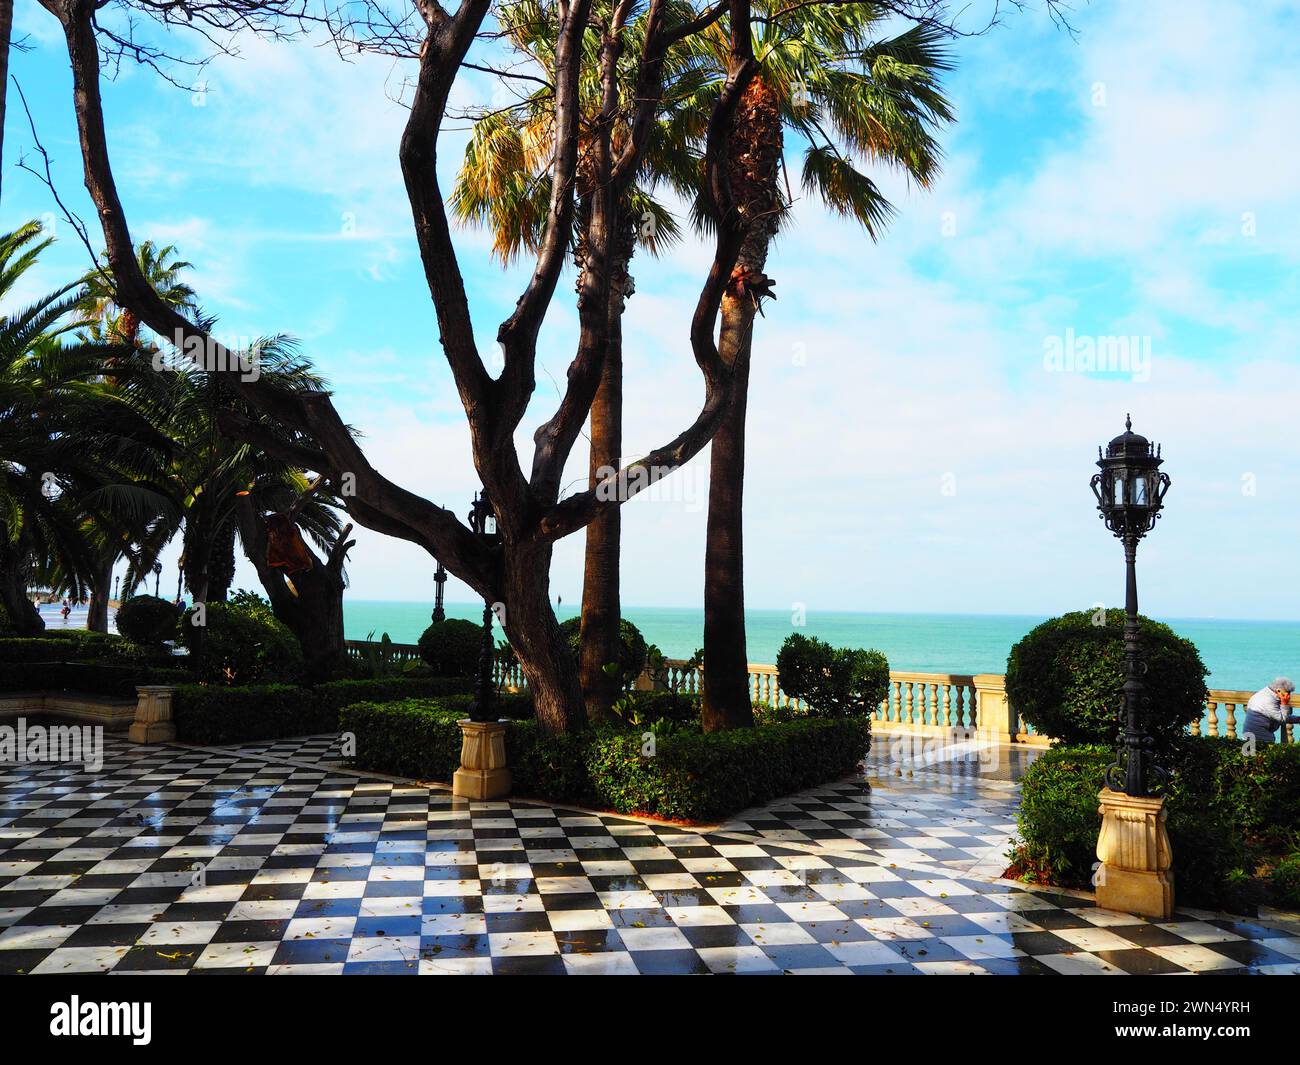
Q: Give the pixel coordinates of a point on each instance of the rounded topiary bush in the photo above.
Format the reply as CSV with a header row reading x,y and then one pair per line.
x,y
832,681
240,642
632,650
452,647
148,620
1066,678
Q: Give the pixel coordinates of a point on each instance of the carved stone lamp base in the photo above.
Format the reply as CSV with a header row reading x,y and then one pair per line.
x,y
153,715
482,773
1133,849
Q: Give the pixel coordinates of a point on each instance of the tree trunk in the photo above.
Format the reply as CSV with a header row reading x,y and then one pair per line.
x,y
601,639
221,563
195,568
315,614
23,616
727,699
100,593
756,147
535,638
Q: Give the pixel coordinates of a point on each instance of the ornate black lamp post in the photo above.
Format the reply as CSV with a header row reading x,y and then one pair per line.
x,y
439,579
483,522
157,578
1130,491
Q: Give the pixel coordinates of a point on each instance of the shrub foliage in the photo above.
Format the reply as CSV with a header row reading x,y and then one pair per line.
x,y
241,642
684,774
1066,677
833,681
1229,817
452,647
148,620
632,651
210,713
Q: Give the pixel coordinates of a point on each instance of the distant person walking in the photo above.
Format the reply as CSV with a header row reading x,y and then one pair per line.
x,y
1269,709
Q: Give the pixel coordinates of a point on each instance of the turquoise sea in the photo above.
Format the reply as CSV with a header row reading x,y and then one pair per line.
x,y
1239,654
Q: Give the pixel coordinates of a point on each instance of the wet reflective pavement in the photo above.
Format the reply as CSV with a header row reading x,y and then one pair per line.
x,y
273,858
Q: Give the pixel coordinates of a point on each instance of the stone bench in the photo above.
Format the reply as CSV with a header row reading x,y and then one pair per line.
x,y
145,719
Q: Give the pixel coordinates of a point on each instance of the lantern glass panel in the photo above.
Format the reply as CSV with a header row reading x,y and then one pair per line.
x,y
1141,496
1117,490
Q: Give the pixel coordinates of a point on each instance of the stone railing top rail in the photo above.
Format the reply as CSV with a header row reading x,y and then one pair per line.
x,y
1217,695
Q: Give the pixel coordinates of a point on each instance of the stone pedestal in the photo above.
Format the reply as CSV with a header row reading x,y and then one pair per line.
x,y
1135,857
482,773
153,715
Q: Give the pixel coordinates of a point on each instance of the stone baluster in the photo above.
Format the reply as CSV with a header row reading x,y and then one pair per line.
x,y
1232,720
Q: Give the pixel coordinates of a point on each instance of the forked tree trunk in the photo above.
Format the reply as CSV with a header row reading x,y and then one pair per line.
x,y
535,638
100,593
315,614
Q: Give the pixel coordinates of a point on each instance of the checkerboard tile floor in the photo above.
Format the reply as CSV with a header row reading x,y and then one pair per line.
x,y
270,859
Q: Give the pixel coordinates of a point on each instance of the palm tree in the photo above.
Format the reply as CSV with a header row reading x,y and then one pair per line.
x,y
851,99
222,488
162,270
69,450
121,327
218,489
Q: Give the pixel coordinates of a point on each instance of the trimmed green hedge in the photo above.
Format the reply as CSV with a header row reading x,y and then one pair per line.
x,y
93,678
691,776
76,644
1230,818
214,714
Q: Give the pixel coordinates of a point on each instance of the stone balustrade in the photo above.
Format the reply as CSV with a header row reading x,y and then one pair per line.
x,y
915,701
397,652
942,701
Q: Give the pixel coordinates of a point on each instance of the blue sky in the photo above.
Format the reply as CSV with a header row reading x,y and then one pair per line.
x,y
912,446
